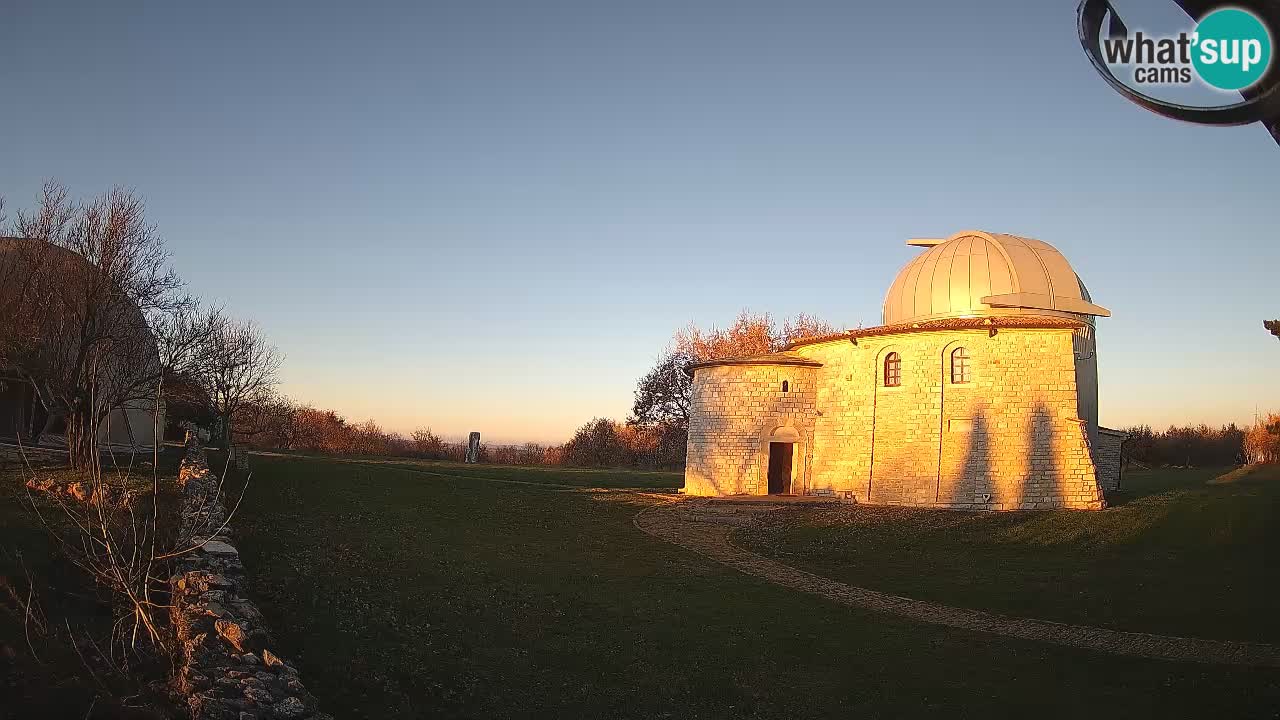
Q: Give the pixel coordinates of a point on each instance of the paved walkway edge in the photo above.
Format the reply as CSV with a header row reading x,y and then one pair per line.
x,y
712,540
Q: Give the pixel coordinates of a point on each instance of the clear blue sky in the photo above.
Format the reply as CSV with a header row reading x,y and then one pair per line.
x,y
491,216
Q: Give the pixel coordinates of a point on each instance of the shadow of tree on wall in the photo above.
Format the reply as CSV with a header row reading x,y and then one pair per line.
x,y
1043,486
975,473
1027,475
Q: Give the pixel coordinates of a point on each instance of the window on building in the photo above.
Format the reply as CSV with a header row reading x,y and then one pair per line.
x,y
892,370
786,386
960,365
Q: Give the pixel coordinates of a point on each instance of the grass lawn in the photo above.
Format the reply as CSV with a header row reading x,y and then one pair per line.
x,y
403,594
577,477
1177,554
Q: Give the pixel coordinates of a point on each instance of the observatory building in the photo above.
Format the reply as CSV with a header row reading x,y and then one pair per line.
x,y
979,391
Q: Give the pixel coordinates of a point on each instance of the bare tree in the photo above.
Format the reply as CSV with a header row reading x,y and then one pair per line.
x,y
268,420
96,276
109,521
804,326
427,443
182,335
750,334
21,266
239,369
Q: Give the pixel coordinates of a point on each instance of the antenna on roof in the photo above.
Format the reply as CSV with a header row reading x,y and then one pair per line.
x,y
925,242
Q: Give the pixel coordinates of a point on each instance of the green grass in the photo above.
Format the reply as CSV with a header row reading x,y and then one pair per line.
x,y
576,477
523,474
405,595
1176,554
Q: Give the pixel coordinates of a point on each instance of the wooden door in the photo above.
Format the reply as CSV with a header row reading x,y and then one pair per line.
x,y
780,455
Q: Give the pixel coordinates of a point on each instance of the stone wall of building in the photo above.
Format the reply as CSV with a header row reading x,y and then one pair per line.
x,y
735,410
226,669
1108,457
1011,438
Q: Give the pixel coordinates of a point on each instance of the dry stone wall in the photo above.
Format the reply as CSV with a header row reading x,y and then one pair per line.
x,y
227,670
1109,458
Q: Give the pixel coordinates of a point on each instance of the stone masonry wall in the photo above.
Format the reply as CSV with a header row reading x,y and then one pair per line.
x,y
1011,438
1107,455
227,670
735,409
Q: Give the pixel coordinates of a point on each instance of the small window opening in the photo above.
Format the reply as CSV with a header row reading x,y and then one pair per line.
x,y
892,370
960,366
786,386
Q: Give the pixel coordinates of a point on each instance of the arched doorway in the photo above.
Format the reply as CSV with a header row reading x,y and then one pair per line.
x,y
782,451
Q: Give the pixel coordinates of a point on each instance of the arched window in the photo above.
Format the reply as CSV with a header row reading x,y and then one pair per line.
x,y
892,370
959,365
786,386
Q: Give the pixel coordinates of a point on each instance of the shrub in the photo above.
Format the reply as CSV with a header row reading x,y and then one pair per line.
x,y
1262,441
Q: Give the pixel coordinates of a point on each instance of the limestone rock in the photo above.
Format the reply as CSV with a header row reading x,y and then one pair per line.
x,y
258,695
289,709
218,547
241,637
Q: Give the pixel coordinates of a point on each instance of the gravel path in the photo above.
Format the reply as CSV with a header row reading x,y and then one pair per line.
x,y
694,525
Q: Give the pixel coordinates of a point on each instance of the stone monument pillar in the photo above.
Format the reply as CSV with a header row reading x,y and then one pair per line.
x,y
473,448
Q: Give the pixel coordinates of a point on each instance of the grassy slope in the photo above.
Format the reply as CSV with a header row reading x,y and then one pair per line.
x,y
1176,556
406,595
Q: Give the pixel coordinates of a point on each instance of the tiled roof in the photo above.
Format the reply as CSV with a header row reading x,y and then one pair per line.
x,y
972,323
778,358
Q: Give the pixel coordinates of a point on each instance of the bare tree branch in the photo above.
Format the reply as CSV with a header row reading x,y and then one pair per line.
x,y
94,277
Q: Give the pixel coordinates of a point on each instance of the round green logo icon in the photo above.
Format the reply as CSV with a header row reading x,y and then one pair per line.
x,y
1232,49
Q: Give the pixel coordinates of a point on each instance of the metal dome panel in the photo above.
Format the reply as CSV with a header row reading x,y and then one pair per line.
x,y
975,273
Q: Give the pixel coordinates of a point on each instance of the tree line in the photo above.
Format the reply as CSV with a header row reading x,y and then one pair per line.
x,y
1205,446
283,425
653,436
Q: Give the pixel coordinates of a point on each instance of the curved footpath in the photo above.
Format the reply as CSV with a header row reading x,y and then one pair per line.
x,y
686,524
